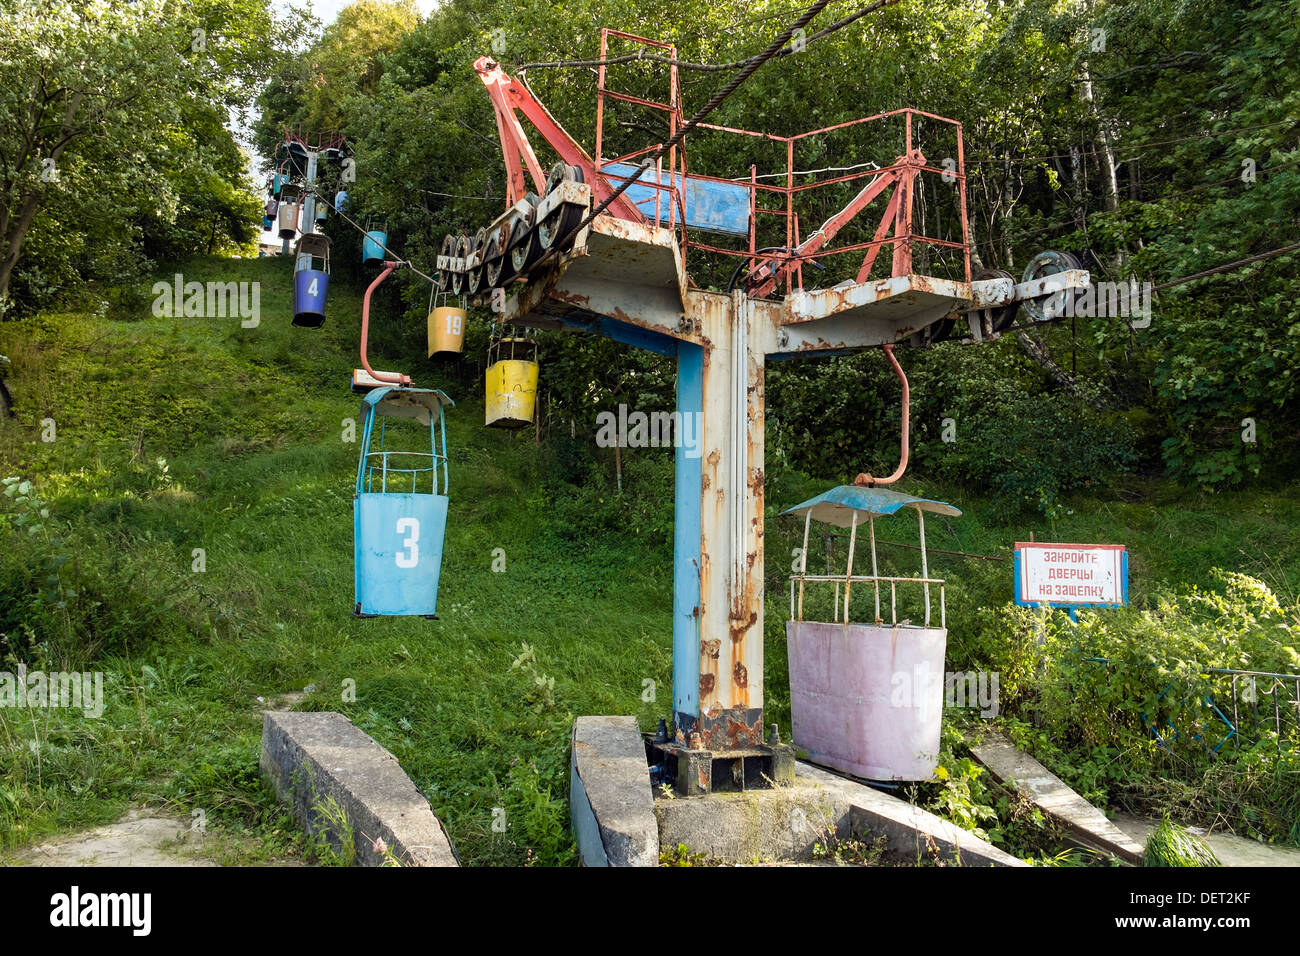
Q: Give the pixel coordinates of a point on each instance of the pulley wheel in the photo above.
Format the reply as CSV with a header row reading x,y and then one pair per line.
x,y
474,276
564,218
442,278
494,258
1040,267
523,245
559,173
461,252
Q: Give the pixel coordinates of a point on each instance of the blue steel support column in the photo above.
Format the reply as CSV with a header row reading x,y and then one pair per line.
x,y
687,492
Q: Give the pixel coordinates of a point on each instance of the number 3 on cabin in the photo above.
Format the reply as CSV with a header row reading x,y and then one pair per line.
x,y
409,556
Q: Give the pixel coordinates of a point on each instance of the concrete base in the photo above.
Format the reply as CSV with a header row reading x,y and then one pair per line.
x,y
783,824
309,758
619,821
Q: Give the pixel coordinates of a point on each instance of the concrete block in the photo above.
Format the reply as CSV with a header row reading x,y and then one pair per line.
x,y
610,803
308,758
1086,824
784,823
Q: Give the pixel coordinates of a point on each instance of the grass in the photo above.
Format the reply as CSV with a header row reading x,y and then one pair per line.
x,y
183,434
1171,845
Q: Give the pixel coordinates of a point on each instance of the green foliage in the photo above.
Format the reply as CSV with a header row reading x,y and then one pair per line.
x,y
849,851
1171,845
963,795
538,689
1124,705
113,143
681,855
536,818
334,841
975,421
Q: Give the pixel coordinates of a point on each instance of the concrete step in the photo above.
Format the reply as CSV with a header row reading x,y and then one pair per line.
x,y
1084,822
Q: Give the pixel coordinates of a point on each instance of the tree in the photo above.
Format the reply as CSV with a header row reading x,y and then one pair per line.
x,y
105,109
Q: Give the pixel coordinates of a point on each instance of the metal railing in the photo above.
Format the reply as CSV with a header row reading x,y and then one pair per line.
x,y
1279,693
384,470
875,578
848,580
774,245
1283,690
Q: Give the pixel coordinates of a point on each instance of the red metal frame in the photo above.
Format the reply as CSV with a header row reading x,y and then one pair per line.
x,y
901,176
767,270
313,142
395,378
509,95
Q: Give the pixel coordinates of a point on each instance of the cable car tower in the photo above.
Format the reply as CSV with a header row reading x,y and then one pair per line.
x,y
627,274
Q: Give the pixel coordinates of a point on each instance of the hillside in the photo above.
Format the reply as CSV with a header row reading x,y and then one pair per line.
x,y
178,434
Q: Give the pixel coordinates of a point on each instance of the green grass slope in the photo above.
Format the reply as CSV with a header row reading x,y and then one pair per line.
x,y
179,434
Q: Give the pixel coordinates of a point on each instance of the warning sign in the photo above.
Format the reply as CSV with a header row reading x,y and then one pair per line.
x,y
1071,574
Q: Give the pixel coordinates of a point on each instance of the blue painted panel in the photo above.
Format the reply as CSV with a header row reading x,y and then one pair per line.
x,y
398,543
641,338
372,247
838,505
710,206
341,201
687,494
310,287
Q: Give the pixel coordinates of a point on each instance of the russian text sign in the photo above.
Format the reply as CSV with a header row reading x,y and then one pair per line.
x,y
1071,575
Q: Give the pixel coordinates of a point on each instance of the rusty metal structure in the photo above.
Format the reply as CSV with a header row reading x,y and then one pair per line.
x,y
627,273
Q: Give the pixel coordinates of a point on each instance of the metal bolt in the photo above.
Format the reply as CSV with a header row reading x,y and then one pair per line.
x,y
774,736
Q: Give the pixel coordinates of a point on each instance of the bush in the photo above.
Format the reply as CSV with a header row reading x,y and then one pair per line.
x,y
1033,450
1123,707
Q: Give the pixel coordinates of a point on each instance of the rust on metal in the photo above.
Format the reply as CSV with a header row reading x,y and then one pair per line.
x,y
732,729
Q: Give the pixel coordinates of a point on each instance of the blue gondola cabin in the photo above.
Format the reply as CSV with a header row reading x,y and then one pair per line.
x,y
373,246
311,280
400,506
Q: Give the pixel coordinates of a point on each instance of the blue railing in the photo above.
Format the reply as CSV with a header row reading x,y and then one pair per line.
x,y
1282,710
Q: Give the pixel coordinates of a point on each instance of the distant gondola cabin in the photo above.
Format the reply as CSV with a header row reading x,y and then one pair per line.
x,y
311,280
373,247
